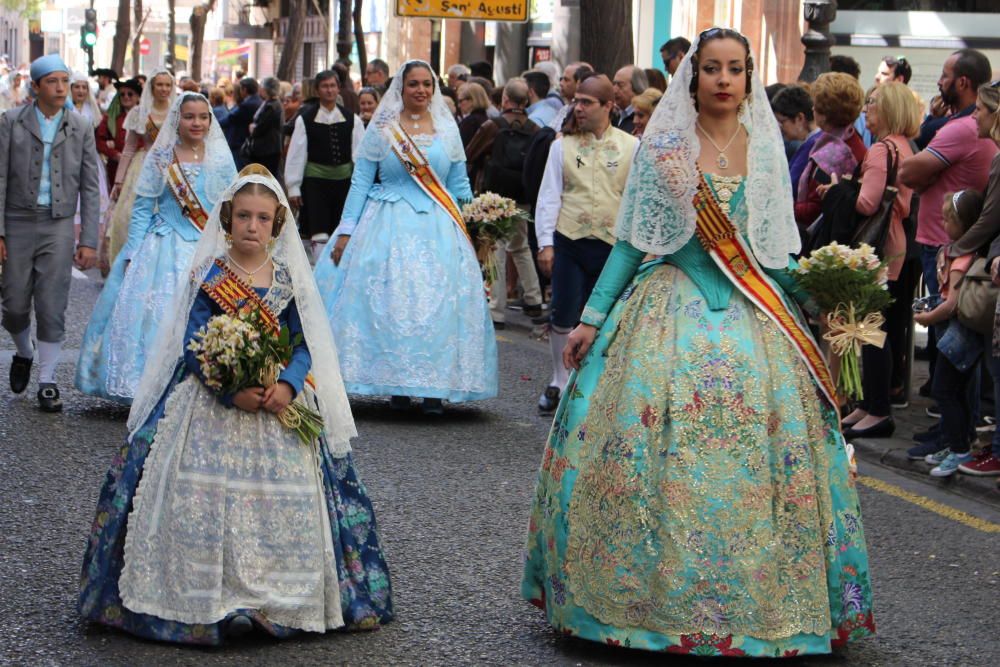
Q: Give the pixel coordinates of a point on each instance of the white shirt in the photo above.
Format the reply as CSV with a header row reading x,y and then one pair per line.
x,y
550,194
298,150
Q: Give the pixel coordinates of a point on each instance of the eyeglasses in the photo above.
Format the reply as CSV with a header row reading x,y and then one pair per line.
x,y
995,84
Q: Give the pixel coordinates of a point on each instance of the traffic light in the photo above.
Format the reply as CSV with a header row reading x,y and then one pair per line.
x,y
88,31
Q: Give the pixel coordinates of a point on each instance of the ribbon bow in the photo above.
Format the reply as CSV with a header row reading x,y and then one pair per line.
x,y
846,332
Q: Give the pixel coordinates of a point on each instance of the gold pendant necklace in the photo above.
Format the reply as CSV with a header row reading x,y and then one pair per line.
x,y
721,158
250,274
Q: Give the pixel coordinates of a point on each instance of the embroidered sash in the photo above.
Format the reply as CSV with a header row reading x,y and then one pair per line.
x,y
423,174
235,297
719,236
185,195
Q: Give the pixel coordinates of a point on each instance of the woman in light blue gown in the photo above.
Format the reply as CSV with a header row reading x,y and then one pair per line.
x,y
181,178
695,495
400,279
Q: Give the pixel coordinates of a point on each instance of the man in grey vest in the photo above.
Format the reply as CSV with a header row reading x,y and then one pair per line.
x,y
48,165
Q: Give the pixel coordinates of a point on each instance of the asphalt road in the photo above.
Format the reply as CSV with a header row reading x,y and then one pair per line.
x,y
452,496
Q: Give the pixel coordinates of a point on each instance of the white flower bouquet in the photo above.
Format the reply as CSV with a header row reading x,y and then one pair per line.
x,y
236,352
850,285
491,219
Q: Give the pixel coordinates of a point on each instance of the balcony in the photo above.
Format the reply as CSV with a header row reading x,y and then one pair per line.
x,y
314,31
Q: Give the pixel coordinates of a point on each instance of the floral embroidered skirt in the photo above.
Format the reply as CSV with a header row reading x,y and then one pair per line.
x,y
284,534
694,495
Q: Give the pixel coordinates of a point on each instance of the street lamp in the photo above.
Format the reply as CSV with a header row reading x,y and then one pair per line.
x,y
818,14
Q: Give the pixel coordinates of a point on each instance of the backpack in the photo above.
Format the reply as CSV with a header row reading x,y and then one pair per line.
x,y
534,163
502,173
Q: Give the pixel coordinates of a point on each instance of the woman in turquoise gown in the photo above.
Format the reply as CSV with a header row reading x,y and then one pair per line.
x,y
156,259
695,493
406,300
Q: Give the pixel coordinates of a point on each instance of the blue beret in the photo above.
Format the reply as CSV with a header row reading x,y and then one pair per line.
x,y
47,65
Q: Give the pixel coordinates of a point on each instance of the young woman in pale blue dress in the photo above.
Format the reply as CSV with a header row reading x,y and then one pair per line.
x,y
695,494
181,179
400,279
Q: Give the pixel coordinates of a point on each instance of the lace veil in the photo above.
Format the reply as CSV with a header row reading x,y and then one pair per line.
x,y
288,252
376,147
90,109
657,213
218,164
137,117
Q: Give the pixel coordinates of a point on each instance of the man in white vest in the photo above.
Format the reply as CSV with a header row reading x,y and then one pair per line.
x,y
575,214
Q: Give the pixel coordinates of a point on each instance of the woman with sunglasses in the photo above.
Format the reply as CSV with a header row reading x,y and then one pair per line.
x,y
111,132
695,493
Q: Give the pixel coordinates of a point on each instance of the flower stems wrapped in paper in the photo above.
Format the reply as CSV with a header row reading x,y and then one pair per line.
x,y
850,285
491,219
240,351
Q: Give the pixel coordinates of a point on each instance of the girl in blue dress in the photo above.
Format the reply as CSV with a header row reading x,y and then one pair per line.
x,y
400,279
695,494
215,519
181,179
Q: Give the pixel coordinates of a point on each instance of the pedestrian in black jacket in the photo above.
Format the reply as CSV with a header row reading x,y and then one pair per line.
x,y
237,124
265,131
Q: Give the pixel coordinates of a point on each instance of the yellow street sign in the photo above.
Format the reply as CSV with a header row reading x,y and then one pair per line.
x,y
467,10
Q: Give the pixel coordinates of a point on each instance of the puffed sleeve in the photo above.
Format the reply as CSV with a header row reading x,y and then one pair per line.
x,y
294,375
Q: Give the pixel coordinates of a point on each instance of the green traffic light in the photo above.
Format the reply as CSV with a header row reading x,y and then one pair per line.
x,y
90,39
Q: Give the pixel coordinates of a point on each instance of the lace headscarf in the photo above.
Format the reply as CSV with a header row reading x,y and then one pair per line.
x,y
90,110
218,164
657,212
287,252
376,147
137,117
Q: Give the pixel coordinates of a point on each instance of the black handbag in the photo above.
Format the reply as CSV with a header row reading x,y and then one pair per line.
x,y
840,220
874,229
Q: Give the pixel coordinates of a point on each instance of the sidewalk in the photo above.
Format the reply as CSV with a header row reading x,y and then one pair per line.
x,y
891,452
888,452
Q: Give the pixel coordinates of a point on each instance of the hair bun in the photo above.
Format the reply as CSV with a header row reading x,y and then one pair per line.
x,y
255,170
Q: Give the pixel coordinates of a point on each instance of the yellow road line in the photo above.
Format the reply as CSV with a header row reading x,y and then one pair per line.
x,y
930,505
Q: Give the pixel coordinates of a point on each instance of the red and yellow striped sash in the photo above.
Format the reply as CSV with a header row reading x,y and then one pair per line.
x,y
723,242
185,195
422,172
235,297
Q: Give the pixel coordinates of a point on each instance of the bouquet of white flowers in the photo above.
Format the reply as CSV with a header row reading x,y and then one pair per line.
x,y
491,219
850,285
239,351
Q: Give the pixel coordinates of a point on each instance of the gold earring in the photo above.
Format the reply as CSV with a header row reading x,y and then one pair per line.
x,y
270,244
229,240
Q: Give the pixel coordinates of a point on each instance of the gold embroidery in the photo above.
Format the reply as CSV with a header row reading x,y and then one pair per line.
x,y
697,507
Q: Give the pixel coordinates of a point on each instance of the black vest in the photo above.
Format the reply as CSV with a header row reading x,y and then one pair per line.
x,y
328,144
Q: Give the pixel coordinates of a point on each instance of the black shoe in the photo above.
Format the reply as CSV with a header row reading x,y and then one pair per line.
x,y
499,326
919,452
925,389
533,311
432,406
882,429
239,626
549,400
20,373
986,424
399,402
933,434
933,411
48,398
898,399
